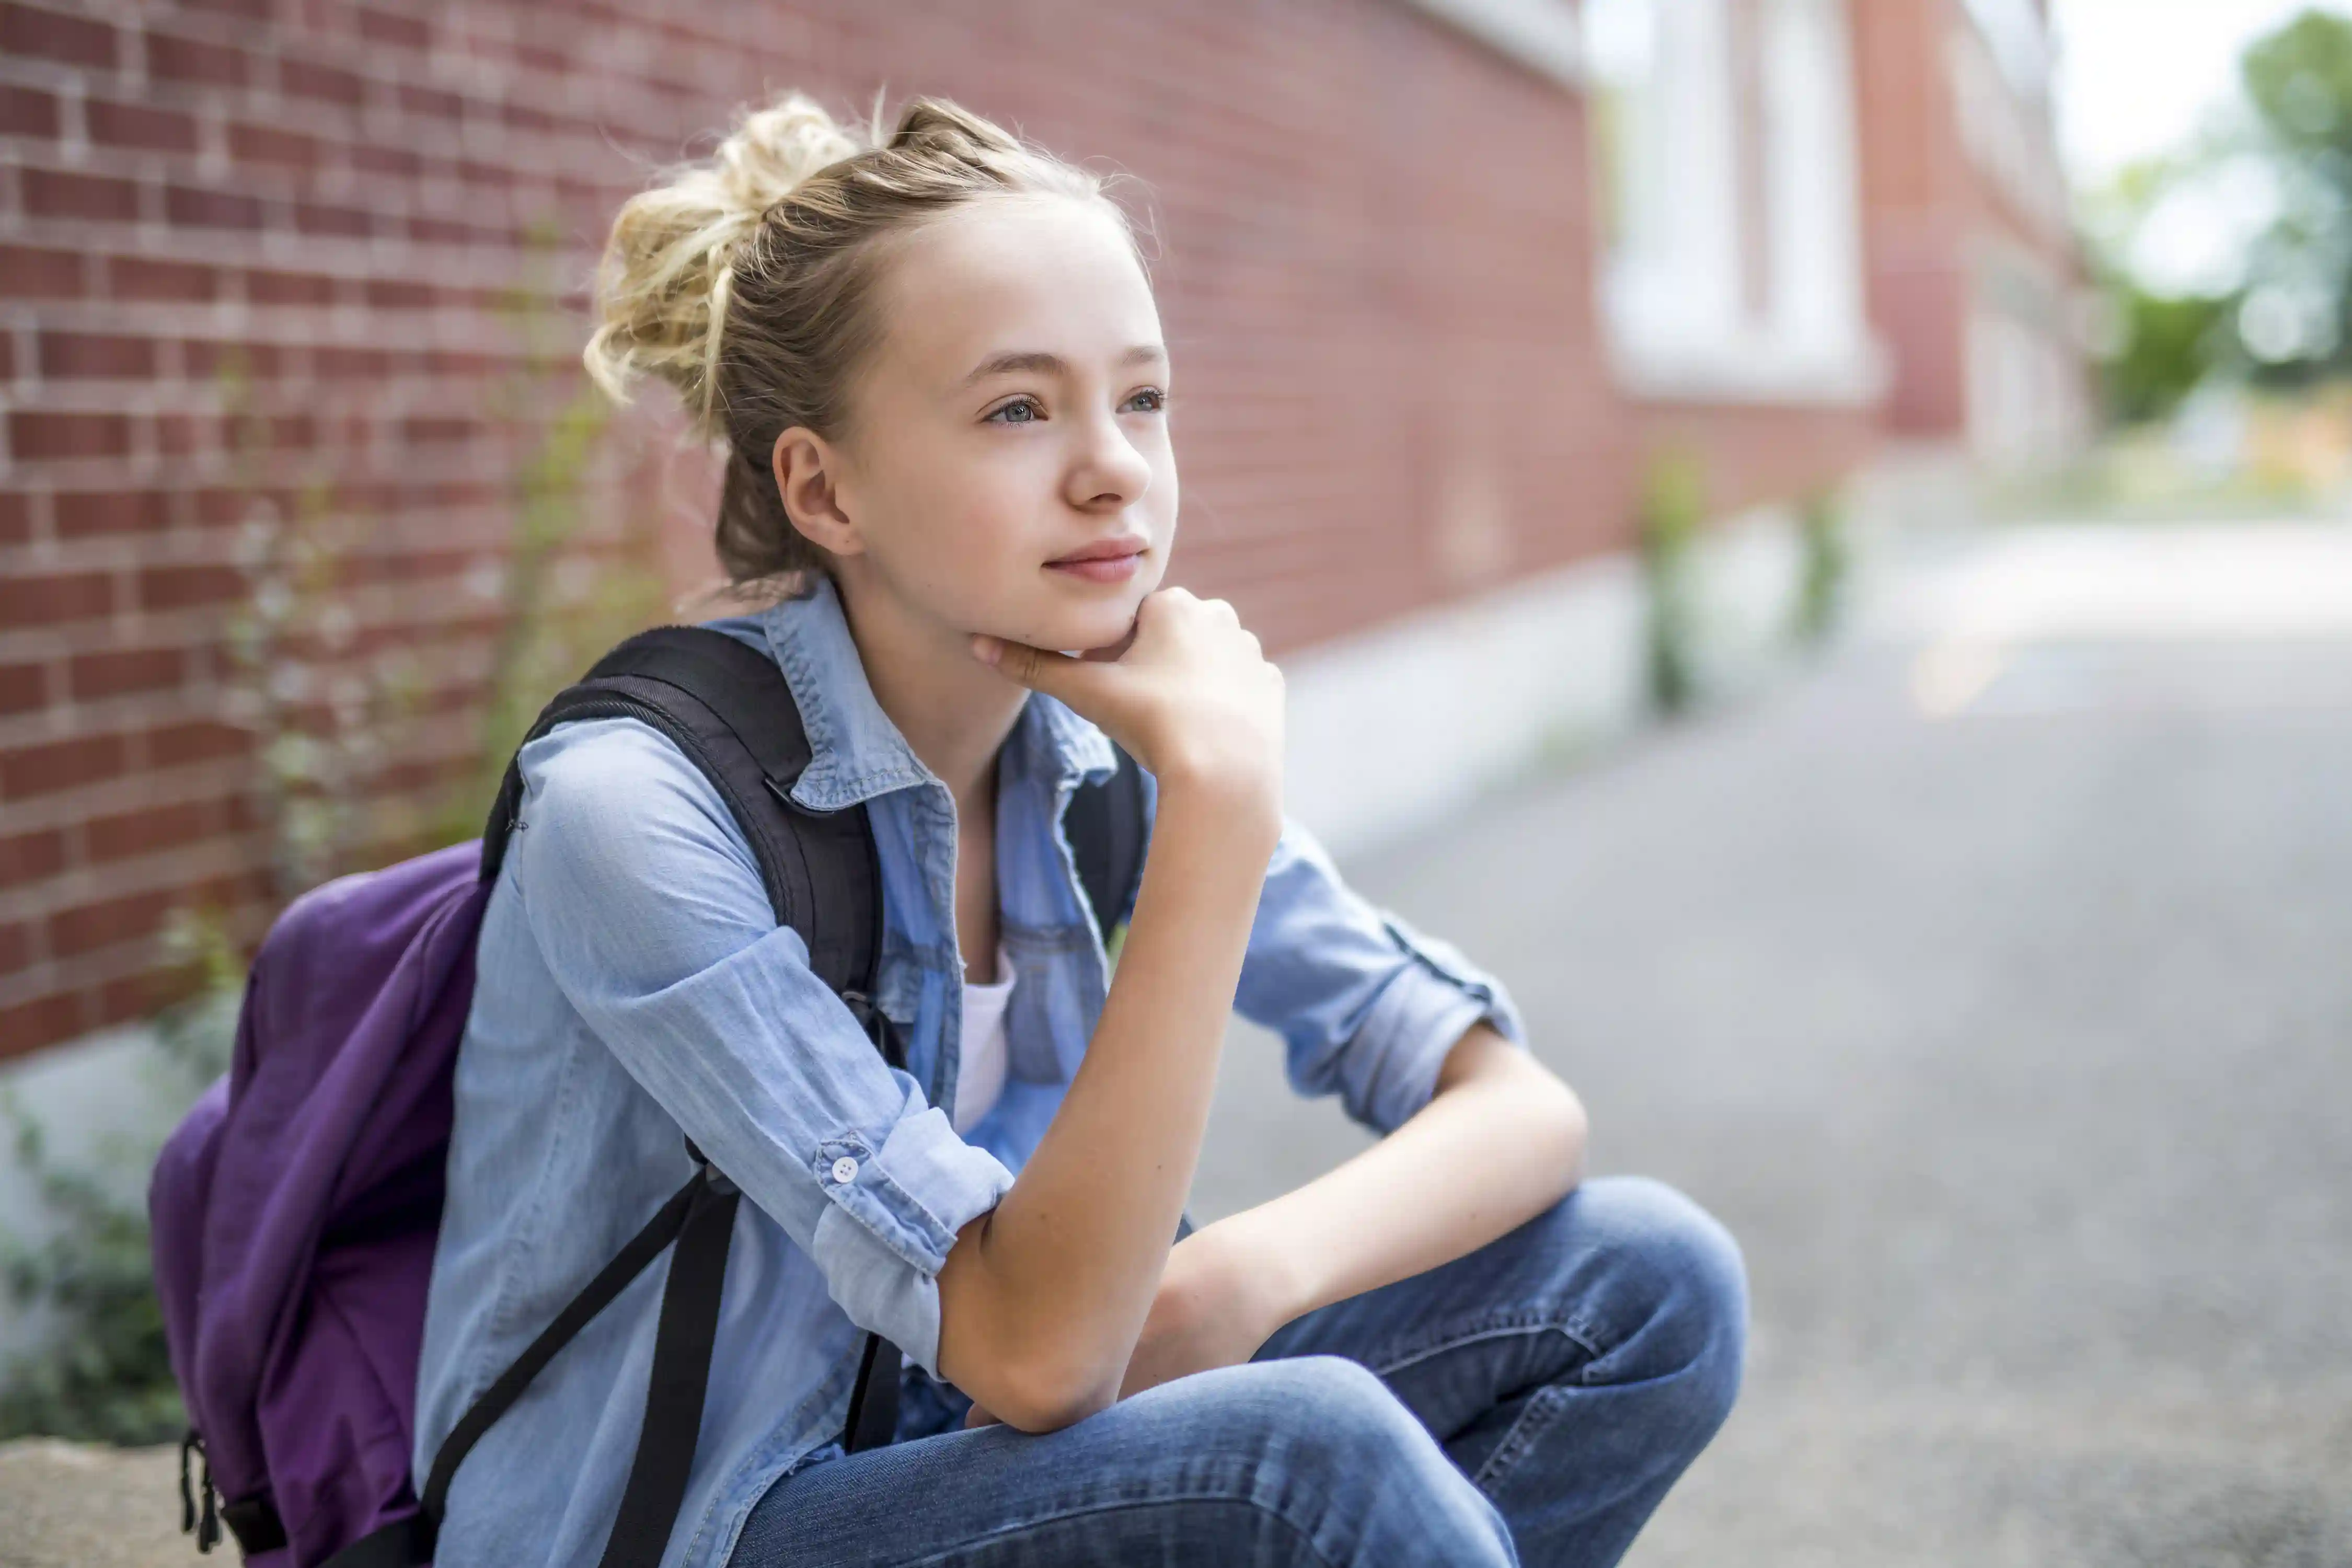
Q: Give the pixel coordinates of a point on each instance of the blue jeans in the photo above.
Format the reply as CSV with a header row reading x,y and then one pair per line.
x,y
1529,1403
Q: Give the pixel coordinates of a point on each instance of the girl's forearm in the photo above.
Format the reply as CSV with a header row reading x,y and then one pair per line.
x,y
1059,1288
1502,1141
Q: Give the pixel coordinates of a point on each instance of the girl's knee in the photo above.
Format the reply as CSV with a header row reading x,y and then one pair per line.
x,y
1327,1400
1686,1278
1356,1470
1325,1419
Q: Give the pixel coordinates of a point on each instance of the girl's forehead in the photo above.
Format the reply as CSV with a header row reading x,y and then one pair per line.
x,y
1043,274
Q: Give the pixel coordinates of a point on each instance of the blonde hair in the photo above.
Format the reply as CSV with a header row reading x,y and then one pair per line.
x,y
747,281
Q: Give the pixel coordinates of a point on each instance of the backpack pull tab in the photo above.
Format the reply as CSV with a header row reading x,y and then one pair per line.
x,y
204,1524
187,1486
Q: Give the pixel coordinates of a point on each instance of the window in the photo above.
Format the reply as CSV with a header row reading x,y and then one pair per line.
x,y
1724,199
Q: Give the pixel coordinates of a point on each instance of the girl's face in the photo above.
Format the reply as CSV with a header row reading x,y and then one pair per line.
x,y
1013,416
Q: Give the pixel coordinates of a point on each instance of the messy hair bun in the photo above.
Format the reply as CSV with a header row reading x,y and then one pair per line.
x,y
746,281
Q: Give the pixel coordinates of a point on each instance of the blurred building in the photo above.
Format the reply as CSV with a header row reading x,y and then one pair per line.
x,y
1975,278
1442,277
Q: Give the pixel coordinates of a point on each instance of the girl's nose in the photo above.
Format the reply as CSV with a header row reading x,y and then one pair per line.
x,y
1109,471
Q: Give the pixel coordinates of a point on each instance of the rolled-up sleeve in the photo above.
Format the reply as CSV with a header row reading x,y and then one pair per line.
x,y
648,904
1367,1005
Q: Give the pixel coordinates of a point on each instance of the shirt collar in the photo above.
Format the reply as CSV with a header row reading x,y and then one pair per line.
x,y
855,750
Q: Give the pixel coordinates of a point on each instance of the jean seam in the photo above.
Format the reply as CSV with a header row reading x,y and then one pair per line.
x,y
1576,1328
1015,1532
1518,1440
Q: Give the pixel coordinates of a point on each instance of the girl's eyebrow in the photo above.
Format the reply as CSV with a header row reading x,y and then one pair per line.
x,y
1043,363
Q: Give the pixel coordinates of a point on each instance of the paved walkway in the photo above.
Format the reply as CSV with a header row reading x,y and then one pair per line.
x,y
1994,984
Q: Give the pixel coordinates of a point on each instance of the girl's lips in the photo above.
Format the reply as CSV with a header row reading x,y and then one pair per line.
x,y
1102,568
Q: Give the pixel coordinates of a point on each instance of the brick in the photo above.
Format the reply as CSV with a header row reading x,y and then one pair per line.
x,y
376,158
136,125
442,231
31,857
47,599
41,274
431,103
201,741
34,435
244,10
53,193
25,113
108,921
425,432
15,945
388,27
50,36
81,514
23,687
139,277
150,830
267,145
303,79
69,356
44,1021
164,588
92,677
524,117
177,59
243,362
288,288
135,996
16,519
385,294
56,765
186,435
345,223
333,363
184,207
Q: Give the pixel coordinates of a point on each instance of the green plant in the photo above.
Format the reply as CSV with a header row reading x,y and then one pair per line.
x,y
108,1378
1673,504
1826,559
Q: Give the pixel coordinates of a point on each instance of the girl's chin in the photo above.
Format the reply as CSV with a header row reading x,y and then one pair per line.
x,y
1088,635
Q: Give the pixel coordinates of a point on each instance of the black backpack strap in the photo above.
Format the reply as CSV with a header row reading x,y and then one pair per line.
x,y
688,1330
728,708
410,1542
1108,837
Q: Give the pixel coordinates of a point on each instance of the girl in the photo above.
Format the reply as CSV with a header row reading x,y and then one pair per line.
x,y
934,359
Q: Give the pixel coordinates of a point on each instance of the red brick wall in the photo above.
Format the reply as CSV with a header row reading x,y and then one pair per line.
x,y
1377,289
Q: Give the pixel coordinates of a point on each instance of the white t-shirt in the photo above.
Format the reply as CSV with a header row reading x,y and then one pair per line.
x,y
980,1079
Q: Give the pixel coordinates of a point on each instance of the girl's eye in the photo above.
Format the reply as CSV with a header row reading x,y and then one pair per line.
x,y
1154,400
1026,407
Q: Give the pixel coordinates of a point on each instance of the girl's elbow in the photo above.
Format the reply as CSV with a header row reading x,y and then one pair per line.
x,y
1572,1129
1046,1400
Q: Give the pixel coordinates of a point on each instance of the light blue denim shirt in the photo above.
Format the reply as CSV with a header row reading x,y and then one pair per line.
x,y
635,991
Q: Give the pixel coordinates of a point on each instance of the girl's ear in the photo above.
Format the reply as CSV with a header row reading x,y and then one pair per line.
x,y
806,468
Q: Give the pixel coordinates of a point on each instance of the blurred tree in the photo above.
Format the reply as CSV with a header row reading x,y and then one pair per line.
x,y
2283,315
2295,319
2162,348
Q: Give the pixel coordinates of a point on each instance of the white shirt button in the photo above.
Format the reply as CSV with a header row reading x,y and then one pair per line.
x,y
844,1169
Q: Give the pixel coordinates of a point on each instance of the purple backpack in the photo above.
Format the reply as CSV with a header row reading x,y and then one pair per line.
x,y
296,1208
